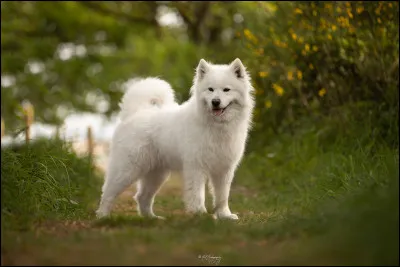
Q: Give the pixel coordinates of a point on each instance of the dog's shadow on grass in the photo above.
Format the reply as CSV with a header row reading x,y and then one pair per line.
x,y
117,221
182,222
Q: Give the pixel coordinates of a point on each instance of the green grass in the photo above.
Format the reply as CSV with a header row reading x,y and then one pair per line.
x,y
44,180
309,202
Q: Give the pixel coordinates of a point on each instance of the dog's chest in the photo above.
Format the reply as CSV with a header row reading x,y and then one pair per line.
x,y
221,151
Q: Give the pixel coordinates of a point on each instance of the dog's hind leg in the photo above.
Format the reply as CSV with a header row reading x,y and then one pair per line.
x,y
147,188
119,177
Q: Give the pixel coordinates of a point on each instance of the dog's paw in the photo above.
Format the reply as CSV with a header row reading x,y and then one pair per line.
x,y
151,216
202,210
101,214
157,217
222,216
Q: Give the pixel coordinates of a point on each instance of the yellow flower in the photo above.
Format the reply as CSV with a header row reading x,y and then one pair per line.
x,y
278,90
260,51
338,9
360,9
311,66
334,27
299,75
247,33
322,92
298,11
379,21
301,40
390,5
290,75
263,74
280,44
294,36
314,13
329,37
268,104
347,4
269,6
315,48
250,36
350,14
346,22
307,47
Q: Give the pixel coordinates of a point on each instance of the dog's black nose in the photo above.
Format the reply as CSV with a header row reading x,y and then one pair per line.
x,y
215,102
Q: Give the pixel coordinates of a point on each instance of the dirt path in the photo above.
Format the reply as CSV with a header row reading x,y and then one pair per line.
x,y
124,237
124,206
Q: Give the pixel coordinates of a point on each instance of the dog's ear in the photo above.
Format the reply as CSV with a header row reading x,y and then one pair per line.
x,y
202,69
238,68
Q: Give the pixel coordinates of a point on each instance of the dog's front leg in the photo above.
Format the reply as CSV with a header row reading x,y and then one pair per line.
x,y
194,191
221,186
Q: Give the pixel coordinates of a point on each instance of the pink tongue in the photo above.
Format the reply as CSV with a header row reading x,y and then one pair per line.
x,y
217,112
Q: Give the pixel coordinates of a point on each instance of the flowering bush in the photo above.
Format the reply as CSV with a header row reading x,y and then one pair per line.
x,y
313,58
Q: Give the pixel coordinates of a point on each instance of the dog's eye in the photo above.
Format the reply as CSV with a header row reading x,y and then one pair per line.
x,y
210,89
226,89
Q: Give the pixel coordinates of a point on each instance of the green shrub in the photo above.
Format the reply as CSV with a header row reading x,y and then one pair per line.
x,y
311,59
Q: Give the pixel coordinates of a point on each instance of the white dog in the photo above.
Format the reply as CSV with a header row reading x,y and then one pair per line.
x,y
204,138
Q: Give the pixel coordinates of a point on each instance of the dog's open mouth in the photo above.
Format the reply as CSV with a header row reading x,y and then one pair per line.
x,y
219,111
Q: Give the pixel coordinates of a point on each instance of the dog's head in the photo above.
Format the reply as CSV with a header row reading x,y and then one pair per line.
x,y
223,92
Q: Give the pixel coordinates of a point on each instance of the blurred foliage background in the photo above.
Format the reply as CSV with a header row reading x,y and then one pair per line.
x,y
307,59
322,162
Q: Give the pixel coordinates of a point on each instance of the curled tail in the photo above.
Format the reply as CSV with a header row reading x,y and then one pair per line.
x,y
146,93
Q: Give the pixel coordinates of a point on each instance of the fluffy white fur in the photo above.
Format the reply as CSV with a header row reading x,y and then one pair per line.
x,y
156,136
